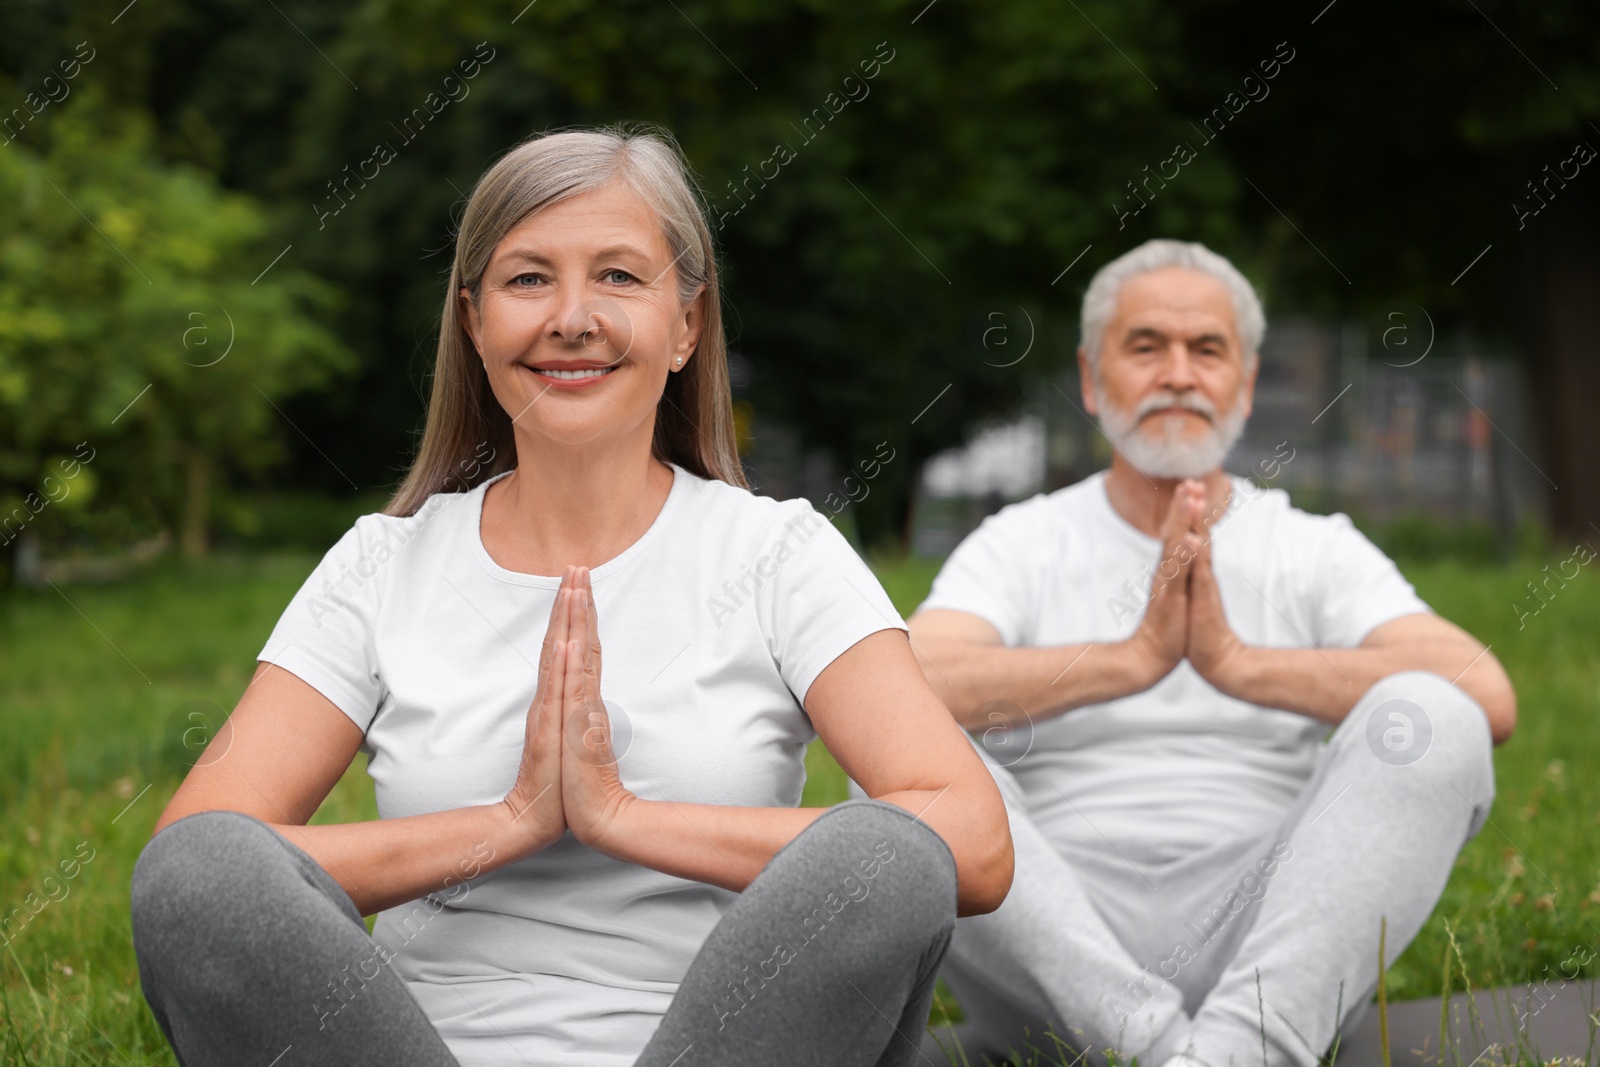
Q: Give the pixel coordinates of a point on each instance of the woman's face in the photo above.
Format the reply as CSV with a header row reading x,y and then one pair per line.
x,y
578,320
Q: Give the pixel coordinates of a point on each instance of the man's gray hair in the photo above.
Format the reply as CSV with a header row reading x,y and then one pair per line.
x,y
1100,300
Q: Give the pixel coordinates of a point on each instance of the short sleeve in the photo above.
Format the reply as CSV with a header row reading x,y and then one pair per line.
x,y
325,635
821,597
1358,587
991,574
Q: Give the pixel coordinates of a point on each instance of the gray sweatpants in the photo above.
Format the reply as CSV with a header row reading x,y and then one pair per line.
x,y
236,930
1088,943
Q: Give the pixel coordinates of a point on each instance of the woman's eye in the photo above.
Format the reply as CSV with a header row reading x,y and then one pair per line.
x,y
618,276
519,279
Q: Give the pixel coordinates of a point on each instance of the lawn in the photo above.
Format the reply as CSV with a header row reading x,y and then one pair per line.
x,y
98,685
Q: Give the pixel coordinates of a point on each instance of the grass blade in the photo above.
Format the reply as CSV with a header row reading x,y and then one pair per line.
x,y
1383,992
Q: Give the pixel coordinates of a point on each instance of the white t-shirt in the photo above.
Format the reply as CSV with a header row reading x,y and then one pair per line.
x,y
1180,765
714,625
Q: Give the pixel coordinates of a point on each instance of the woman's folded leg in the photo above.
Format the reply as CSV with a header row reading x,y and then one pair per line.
x,y
249,952
829,957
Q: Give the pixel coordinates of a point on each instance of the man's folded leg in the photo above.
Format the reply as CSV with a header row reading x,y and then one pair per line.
x,y
1045,960
1406,780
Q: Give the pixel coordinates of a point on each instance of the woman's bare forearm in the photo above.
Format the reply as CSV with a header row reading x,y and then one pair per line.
x,y
965,815
719,844
386,862
729,846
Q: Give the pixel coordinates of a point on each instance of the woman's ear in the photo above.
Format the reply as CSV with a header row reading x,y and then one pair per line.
x,y
692,323
469,318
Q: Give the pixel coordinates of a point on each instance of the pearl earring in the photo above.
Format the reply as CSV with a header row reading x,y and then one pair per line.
x,y
680,361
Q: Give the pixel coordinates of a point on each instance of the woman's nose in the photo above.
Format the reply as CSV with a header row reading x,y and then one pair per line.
x,y
600,324
573,317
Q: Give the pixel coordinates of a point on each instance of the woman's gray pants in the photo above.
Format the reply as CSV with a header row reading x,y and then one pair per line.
x,y
236,930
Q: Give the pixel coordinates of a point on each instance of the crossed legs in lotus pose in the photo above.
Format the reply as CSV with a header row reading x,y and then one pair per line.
x,y
1086,944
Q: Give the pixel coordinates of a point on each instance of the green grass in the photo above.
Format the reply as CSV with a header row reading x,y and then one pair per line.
x,y
95,692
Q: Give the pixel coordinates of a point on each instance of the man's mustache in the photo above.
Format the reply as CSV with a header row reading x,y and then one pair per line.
x,y
1189,401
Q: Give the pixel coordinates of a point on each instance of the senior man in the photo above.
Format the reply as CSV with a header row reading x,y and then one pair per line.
x,y
1234,744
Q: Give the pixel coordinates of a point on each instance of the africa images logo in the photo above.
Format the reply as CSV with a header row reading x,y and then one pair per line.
x,y
1398,732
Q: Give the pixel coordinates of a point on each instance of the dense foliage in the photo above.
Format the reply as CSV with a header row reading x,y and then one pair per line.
x,y
890,180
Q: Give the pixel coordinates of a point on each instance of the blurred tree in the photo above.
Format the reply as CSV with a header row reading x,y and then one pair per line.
x,y
877,231
1430,151
132,335
882,188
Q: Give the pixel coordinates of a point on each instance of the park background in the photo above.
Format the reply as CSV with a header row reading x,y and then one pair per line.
x,y
225,230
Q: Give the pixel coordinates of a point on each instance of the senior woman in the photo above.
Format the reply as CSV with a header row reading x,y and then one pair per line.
x,y
574,866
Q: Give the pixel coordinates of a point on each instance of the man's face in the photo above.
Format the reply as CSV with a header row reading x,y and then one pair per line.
x,y
1171,390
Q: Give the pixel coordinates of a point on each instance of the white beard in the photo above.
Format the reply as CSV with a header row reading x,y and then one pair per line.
x,y
1163,451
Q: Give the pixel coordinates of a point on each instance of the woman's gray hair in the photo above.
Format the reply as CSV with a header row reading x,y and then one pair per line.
x,y
694,418
1100,299
552,167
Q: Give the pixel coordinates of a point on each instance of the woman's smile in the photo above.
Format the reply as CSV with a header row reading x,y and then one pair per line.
x,y
580,375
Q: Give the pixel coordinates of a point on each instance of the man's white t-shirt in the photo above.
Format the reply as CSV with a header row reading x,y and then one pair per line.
x,y
714,625
1180,765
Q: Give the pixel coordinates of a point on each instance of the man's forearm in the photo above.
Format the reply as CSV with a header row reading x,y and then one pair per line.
x,y
1326,683
985,685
